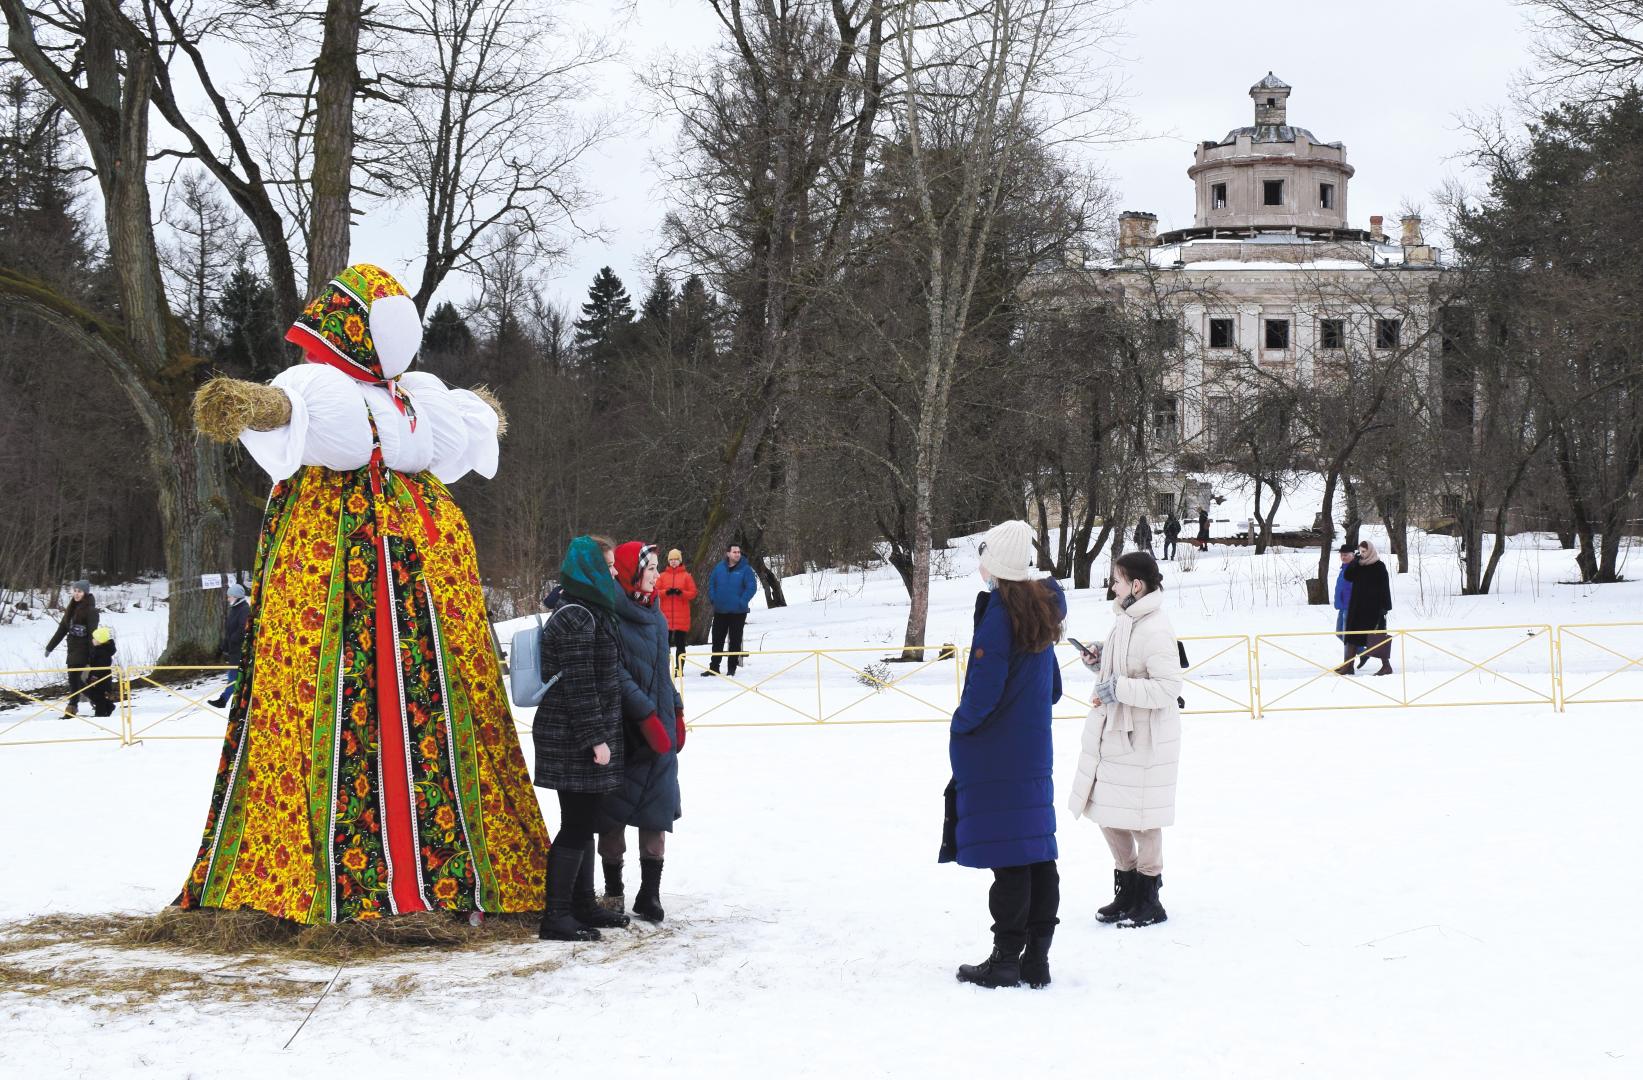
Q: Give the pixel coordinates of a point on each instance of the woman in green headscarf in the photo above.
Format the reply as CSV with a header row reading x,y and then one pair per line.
x,y
578,734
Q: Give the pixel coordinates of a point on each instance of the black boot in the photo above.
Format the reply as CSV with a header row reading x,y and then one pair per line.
x,y
558,924
219,702
1123,895
648,904
585,906
1146,910
614,892
1035,961
1002,968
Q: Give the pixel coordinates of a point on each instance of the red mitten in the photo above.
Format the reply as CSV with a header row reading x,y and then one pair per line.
x,y
655,734
679,716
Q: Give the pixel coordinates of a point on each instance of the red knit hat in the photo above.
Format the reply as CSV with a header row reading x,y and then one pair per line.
x,y
631,558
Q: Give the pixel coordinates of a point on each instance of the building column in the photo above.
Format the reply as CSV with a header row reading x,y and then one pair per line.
x,y
1249,329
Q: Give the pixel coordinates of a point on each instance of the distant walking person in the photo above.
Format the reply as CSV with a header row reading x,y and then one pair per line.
x,y
1203,528
1132,742
79,620
101,686
678,590
1371,599
1172,534
1343,591
1143,535
235,622
1001,802
730,588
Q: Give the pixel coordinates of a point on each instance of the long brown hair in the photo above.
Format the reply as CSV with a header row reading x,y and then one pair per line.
x,y
1035,617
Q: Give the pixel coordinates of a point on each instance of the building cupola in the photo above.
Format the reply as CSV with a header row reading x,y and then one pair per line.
x,y
1271,97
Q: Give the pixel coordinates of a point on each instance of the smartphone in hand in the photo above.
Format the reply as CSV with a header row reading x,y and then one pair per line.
x,y
1092,653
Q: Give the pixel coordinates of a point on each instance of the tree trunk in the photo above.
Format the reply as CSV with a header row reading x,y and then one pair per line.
x,y
336,82
1353,523
1317,589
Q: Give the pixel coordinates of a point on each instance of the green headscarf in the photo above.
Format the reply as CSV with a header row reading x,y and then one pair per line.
x,y
585,575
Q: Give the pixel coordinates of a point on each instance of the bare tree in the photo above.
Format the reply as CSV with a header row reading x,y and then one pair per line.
x,y
977,81
775,142
106,88
482,113
207,247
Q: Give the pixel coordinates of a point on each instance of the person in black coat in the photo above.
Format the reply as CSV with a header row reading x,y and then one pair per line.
x,y
235,622
101,689
79,620
578,735
1203,528
1172,533
1366,610
1143,534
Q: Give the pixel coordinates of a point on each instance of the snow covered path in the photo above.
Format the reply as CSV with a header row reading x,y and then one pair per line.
x,y
1443,893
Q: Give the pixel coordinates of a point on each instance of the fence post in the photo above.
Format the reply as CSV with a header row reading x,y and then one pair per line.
x,y
127,725
820,709
1255,677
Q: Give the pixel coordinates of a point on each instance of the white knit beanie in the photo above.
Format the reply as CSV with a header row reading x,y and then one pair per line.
x,y
1007,551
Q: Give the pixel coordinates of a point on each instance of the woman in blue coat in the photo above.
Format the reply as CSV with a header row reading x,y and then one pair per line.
x,y
1002,800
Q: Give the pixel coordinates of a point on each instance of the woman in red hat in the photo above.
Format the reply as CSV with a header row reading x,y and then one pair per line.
x,y
654,715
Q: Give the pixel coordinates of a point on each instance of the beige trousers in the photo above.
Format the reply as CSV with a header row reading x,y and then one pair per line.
x,y
1137,849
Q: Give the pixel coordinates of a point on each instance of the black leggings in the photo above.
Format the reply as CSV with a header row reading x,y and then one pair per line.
x,y
578,816
1024,901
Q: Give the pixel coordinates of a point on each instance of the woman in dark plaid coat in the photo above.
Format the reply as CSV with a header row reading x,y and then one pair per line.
x,y
578,735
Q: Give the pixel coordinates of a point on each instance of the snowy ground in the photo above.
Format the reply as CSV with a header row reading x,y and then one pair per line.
x,y
1440,892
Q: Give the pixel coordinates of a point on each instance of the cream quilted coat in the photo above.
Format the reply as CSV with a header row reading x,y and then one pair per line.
x,y
1126,770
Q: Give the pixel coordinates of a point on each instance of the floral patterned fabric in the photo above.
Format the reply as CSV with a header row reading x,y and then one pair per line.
x,y
370,764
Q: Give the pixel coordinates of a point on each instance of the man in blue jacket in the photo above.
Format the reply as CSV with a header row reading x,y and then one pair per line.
x,y
730,588
1343,591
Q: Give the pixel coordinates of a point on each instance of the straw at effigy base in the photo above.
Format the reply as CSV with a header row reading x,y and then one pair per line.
x,y
488,396
223,408
247,931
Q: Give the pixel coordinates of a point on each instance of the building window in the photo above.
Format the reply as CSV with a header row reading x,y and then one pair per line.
x,y
1166,334
1220,334
1326,196
1166,422
1272,192
1217,196
1387,333
1332,334
1277,335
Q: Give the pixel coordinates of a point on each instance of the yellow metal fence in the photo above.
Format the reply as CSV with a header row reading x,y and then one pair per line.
x,y
1247,675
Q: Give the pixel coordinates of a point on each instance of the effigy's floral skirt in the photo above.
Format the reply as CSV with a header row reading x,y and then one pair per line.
x,y
371,765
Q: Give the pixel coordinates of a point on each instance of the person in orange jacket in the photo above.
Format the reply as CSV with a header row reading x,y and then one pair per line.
x,y
677,589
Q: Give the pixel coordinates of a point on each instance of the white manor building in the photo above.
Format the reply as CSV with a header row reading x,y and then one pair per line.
x,y
1272,272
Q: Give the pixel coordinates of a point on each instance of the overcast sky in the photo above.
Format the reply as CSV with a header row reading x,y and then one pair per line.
x,y
1388,78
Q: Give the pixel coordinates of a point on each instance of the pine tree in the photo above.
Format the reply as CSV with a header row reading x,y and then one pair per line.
x,y
250,342
606,320
694,315
446,333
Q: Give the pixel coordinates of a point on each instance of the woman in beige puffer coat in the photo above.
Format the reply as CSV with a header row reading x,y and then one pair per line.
x,y
1132,741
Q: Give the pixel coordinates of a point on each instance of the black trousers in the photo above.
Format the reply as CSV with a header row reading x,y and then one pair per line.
x,y
731,627
678,640
578,817
1024,901
100,694
1169,546
77,679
